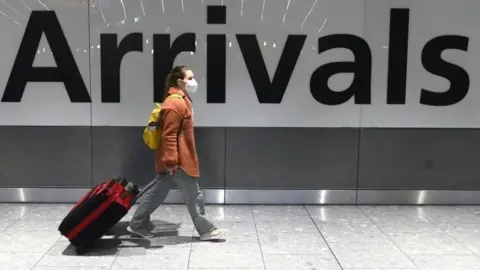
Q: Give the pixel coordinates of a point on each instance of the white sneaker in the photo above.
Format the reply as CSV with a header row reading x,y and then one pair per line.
x,y
139,233
215,234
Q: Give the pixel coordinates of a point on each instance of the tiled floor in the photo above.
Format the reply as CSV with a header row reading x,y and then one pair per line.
x,y
260,237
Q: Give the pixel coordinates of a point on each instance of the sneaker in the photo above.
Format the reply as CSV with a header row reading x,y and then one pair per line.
x,y
215,234
139,233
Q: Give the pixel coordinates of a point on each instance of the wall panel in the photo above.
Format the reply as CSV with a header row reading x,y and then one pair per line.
x,y
419,159
283,158
45,157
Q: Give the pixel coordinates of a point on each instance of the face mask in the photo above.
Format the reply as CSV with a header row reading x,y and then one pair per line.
x,y
192,86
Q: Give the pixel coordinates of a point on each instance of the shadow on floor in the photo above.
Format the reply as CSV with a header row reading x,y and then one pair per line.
x,y
165,234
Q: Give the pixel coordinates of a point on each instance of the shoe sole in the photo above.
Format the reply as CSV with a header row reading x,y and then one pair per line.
x,y
213,237
134,233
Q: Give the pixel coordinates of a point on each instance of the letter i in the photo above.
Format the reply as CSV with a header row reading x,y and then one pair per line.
x,y
216,56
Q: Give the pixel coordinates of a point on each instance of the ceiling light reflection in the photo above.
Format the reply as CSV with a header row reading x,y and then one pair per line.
x,y
41,3
323,196
124,10
323,25
21,194
421,197
263,9
4,14
26,5
308,14
12,8
143,9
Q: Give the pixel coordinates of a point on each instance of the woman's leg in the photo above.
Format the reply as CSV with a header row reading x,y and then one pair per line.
x,y
150,201
193,197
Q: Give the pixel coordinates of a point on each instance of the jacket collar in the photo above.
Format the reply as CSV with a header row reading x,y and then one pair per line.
x,y
175,91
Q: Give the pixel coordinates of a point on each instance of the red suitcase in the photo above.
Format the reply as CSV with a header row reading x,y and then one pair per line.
x,y
96,212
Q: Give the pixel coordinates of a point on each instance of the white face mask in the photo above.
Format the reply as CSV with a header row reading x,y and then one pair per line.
x,y
192,86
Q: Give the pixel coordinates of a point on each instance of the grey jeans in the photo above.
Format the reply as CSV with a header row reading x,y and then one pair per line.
x,y
154,197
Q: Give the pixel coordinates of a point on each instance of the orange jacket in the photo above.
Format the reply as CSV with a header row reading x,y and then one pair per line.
x,y
178,142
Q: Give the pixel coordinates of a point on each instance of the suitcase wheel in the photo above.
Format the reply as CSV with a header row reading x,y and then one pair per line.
x,y
81,250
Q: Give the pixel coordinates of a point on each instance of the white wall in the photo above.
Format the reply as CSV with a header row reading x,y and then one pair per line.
x,y
47,103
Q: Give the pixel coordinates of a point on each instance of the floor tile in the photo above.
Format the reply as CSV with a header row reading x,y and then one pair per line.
x,y
288,210
370,255
434,242
381,214
15,211
474,209
364,237
301,262
48,212
35,225
473,246
284,213
157,245
450,215
31,241
337,214
226,268
240,255
388,225
280,226
6,222
464,232
69,268
229,213
168,261
62,254
357,232
293,243
19,261
446,262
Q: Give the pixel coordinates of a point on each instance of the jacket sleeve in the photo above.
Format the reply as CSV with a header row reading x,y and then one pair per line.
x,y
172,121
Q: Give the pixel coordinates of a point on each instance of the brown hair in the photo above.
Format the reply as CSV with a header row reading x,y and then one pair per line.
x,y
177,73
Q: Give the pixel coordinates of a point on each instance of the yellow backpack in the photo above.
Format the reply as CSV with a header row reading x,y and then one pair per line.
x,y
152,134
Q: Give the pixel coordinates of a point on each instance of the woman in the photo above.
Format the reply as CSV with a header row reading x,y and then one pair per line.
x,y
176,159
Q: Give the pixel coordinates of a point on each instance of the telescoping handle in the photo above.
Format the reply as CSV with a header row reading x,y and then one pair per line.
x,y
145,189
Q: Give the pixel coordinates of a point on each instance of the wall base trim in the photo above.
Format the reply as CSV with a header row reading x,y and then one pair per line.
x,y
72,195
247,196
419,197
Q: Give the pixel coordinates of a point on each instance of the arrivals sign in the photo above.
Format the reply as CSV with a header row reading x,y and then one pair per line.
x,y
268,87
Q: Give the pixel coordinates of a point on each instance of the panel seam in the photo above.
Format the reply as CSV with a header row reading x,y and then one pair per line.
x,y
92,181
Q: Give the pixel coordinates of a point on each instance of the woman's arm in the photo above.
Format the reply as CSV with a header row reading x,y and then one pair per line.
x,y
172,122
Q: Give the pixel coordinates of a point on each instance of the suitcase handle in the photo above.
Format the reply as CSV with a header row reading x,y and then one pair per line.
x,y
108,187
146,188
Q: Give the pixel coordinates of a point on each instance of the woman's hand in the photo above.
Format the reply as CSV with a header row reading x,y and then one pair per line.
x,y
172,170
